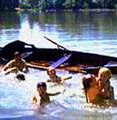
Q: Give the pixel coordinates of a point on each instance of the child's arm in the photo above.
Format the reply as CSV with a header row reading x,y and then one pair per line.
x,y
104,93
8,65
112,93
34,100
53,94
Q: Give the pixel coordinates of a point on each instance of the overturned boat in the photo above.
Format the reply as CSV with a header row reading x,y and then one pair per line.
x,y
62,58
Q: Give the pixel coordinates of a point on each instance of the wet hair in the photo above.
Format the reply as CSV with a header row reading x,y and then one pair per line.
x,y
17,54
42,84
50,71
20,77
105,71
86,81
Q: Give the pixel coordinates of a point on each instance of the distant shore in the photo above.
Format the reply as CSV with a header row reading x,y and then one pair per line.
x,y
67,10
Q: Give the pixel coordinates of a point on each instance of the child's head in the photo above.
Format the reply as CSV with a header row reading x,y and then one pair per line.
x,y
51,72
41,88
17,56
42,84
104,74
88,81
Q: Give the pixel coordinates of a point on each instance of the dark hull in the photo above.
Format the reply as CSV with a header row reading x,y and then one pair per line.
x,y
51,55
76,57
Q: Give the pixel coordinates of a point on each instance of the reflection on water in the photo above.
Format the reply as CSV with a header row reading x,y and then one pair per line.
x,y
83,31
9,21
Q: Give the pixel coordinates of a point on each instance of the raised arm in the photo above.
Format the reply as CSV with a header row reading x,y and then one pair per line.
x,y
54,94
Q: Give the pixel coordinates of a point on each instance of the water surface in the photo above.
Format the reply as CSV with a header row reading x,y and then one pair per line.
x,y
83,31
94,32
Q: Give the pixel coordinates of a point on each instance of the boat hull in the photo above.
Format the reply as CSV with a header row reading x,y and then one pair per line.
x,y
79,59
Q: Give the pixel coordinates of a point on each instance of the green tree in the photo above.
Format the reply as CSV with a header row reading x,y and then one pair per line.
x,y
34,3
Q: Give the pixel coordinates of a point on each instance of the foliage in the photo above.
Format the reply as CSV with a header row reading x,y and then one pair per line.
x,y
71,4
58,4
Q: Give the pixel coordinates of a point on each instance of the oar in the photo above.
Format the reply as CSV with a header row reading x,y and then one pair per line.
x,y
26,54
67,78
46,68
94,70
59,46
37,66
60,61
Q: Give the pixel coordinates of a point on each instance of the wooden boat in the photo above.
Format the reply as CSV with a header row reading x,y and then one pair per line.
x,y
42,58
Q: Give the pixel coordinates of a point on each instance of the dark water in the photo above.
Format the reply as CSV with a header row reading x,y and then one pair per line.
x,y
83,31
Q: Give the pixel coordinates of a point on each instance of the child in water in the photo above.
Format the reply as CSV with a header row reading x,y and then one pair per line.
x,y
103,79
42,98
98,89
16,65
54,78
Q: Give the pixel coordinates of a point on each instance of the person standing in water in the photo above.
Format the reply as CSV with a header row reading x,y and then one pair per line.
x,y
98,89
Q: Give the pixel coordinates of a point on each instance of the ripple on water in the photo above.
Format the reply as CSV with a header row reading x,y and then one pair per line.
x,y
15,99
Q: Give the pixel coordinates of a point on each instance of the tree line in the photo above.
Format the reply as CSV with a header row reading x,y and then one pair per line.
x,y
68,4
44,5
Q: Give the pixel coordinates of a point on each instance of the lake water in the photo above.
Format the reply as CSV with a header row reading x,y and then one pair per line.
x,y
94,32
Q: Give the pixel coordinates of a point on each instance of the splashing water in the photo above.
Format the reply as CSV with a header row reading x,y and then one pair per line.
x,y
15,99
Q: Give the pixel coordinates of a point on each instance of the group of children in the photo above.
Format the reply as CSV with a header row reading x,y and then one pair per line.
x,y
97,89
19,64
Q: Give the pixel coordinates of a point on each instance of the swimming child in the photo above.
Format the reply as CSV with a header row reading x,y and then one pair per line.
x,y
42,98
103,79
98,89
15,65
54,78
